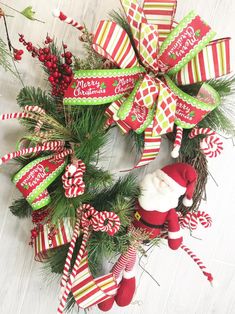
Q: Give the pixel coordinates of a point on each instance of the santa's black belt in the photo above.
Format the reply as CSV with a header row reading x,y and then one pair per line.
x,y
139,218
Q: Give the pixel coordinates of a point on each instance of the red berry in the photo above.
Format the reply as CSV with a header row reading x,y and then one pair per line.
x,y
20,52
17,57
65,46
29,48
21,40
68,61
68,55
48,64
41,58
51,79
46,50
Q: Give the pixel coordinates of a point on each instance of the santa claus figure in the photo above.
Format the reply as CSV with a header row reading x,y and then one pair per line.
x,y
160,192
155,208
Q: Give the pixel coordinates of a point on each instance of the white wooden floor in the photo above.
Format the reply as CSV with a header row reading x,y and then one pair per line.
x,y
183,290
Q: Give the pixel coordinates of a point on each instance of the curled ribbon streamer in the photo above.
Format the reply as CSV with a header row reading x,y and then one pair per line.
x,y
88,218
211,145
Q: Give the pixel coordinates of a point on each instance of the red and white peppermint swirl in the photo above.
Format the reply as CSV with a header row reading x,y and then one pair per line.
x,y
107,222
59,14
211,145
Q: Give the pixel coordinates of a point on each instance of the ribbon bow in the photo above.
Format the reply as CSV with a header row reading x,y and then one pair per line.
x,y
142,91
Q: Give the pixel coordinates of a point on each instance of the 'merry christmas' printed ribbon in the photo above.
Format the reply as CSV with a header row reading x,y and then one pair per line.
x,y
181,52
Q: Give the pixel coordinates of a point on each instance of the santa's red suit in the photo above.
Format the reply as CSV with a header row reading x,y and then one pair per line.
x,y
144,220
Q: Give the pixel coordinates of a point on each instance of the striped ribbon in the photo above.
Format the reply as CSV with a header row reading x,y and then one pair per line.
x,y
112,42
211,145
160,13
90,218
212,62
88,291
43,243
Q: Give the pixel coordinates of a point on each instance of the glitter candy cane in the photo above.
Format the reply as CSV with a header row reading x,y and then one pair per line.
x,y
15,115
73,181
211,145
48,146
59,14
177,142
107,222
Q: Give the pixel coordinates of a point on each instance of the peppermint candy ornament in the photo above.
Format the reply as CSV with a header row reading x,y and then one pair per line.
x,y
73,179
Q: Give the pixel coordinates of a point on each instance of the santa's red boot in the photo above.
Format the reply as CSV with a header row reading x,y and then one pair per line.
x,y
126,289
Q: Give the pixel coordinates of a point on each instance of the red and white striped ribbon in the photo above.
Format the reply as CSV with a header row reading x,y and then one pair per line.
x,y
126,262
211,145
177,142
64,18
48,146
89,218
190,221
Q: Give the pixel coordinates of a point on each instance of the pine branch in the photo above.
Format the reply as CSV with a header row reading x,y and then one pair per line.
x,y
6,59
21,208
31,96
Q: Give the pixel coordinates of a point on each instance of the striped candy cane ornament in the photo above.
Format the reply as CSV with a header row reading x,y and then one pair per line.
x,y
190,221
211,145
48,146
60,15
177,142
73,179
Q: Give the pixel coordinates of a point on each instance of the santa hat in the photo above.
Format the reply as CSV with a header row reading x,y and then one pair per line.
x,y
182,178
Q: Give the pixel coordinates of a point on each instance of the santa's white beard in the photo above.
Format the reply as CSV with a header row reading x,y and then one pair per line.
x,y
157,195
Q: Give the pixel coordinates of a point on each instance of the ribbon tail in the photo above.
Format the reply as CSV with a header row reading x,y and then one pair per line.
x,y
151,147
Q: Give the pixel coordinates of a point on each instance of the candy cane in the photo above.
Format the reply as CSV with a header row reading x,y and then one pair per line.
x,y
53,146
198,262
59,14
35,109
177,142
190,221
15,115
63,154
210,145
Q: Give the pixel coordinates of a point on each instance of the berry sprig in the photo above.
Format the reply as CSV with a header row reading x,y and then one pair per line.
x,y
58,66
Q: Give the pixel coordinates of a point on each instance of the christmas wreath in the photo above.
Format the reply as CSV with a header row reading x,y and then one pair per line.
x,y
151,78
